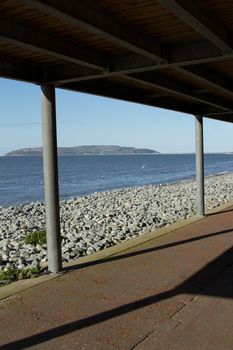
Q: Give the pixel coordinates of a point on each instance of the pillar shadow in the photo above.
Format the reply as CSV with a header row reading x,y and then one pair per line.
x,y
124,255
199,283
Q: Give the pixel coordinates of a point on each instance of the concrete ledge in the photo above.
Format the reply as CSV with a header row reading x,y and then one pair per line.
x,y
220,208
131,243
20,286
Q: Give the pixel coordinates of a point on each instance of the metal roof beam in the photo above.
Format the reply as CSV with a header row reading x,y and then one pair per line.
x,y
29,38
209,77
68,72
194,53
178,56
86,15
23,36
196,15
172,87
117,91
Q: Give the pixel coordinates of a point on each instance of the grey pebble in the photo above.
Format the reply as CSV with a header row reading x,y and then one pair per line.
x,y
100,220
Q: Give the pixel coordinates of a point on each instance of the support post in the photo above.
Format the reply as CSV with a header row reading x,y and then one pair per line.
x,y
200,166
51,191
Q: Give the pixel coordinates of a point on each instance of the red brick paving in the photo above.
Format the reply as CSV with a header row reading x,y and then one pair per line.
x,y
128,301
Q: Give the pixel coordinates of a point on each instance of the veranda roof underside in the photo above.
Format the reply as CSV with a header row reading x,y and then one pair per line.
x,y
174,54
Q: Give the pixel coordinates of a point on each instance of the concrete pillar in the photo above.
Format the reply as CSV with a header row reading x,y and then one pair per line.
x,y
200,166
51,191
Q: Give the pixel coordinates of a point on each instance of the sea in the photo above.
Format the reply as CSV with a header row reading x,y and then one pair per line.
x,y
21,178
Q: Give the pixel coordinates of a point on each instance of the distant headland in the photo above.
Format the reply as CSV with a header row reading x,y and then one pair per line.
x,y
84,150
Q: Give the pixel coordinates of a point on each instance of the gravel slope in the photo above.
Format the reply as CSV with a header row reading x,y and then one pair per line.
x,y
95,222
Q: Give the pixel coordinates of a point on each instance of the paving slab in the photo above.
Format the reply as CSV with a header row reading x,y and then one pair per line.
x,y
168,293
205,322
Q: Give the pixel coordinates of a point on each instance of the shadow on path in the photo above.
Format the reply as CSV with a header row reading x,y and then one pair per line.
x,y
145,251
196,284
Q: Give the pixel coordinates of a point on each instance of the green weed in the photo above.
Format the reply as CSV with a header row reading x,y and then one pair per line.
x,y
13,274
34,238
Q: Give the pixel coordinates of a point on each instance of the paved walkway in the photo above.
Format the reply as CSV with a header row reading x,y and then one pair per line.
x,y
174,292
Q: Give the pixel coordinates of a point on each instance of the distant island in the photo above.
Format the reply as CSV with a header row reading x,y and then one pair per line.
x,y
84,150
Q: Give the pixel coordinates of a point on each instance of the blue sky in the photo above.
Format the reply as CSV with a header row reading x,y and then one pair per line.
x,y
89,120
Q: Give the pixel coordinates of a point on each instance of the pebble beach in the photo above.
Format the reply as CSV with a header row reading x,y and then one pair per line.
x,y
100,220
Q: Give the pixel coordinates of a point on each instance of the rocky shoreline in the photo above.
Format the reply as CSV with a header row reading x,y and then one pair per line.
x,y
95,222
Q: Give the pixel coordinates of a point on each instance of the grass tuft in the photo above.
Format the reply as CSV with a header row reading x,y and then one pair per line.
x,y
34,238
9,275
13,274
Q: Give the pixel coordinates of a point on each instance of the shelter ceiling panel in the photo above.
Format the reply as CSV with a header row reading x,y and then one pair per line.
x,y
226,69
152,18
180,76
130,83
116,90
136,50
223,9
27,55
175,88
15,10
108,88
22,13
20,70
202,84
223,117
215,95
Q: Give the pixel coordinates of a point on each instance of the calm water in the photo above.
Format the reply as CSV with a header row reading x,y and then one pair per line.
x,y
21,178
